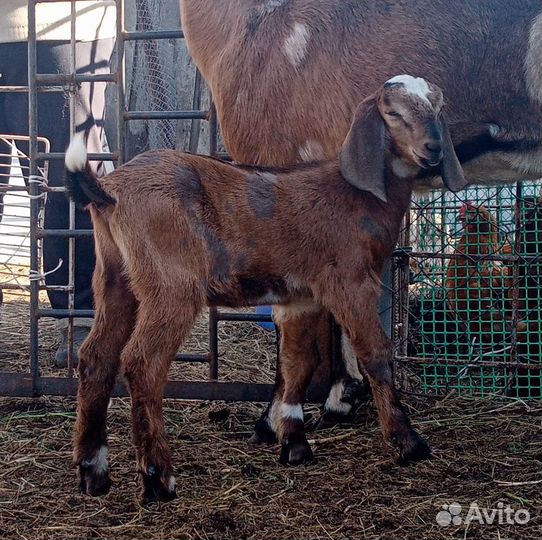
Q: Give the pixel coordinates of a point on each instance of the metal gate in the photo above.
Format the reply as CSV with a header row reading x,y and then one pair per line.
x,y
32,382
479,333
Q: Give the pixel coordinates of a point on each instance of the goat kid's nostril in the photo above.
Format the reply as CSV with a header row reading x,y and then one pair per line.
x,y
434,147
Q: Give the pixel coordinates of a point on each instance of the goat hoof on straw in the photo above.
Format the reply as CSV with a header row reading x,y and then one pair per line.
x,y
92,483
263,434
411,448
156,488
295,452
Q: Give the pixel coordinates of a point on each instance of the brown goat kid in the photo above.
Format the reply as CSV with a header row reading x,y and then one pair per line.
x,y
287,75
176,232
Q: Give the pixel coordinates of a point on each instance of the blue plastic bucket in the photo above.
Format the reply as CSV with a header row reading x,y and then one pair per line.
x,y
265,310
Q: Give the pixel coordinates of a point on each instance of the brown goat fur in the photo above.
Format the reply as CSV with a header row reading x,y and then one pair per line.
x,y
187,231
287,75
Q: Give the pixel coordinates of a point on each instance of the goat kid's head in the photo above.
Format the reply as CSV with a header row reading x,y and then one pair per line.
x,y
402,119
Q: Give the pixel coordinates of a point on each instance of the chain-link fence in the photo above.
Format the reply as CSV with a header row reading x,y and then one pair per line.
x,y
473,312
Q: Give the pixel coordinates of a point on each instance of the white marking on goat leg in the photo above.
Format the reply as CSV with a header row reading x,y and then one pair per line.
x,y
291,411
350,358
333,402
401,169
172,483
99,461
413,85
532,64
294,310
76,154
311,151
295,45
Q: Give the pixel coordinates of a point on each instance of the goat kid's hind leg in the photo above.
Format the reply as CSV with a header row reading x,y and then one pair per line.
x,y
298,360
374,350
165,318
99,360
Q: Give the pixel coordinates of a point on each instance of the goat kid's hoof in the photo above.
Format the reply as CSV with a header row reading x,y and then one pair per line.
x,y
295,452
156,488
93,484
263,434
355,392
412,448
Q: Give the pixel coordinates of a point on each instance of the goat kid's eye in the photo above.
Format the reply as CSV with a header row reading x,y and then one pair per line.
x,y
394,113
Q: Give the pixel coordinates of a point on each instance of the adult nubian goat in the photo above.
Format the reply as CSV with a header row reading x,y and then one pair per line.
x,y
287,75
175,232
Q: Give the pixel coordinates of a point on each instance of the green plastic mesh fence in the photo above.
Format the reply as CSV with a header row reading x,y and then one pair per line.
x,y
470,319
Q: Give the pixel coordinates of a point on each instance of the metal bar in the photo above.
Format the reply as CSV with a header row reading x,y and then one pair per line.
x,y
71,204
213,344
243,317
156,34
72,79
34,191
466,364
105,156
121,106
20,385
165,115
195,358
64,233
63,313
25,89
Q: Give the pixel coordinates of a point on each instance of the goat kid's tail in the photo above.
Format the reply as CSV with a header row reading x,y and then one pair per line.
x,y
81,183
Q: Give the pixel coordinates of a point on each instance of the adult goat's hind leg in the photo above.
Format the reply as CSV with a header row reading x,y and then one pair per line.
x,y
99,360
359,316
166,315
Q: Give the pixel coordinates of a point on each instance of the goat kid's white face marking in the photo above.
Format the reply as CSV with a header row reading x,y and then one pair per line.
x,y
333,402
410,107
311,151
295,45
413,85
533,62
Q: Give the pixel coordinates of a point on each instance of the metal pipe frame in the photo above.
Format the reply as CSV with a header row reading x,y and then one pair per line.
x,y
33,383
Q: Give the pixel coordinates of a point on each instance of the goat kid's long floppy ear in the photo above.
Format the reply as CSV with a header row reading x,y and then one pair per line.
x,y
361,158
450,168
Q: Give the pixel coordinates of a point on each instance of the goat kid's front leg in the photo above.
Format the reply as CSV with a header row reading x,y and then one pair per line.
x,y
99,360
374,350
283,419
160,330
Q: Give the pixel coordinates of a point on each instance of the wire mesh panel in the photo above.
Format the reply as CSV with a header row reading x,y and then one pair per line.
x,y
474,311
15,232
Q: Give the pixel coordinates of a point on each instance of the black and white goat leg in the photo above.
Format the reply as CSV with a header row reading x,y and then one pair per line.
x,y
283,420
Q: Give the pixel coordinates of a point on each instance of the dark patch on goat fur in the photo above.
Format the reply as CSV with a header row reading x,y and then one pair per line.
x,y
191,192
371,227
187,182
261,195
258,14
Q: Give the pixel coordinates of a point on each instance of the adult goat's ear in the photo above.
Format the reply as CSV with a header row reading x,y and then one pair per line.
x,y
450,168
362,154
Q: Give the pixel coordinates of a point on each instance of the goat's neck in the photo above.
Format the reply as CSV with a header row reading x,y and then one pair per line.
x,y
399,193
